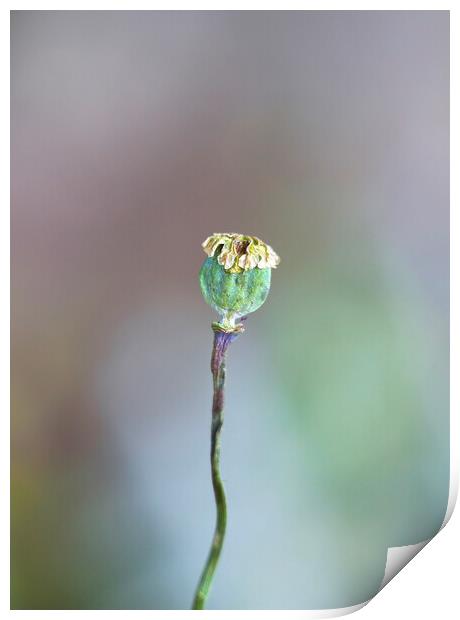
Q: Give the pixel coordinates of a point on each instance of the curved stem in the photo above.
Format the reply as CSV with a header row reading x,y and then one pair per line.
x,y
221,341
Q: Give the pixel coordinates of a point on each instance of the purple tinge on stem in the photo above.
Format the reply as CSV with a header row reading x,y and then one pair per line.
x,y
221,341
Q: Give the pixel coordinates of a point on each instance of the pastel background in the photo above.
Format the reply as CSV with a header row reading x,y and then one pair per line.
x,y
134,136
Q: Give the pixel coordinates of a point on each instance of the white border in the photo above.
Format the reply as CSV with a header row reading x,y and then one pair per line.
x,y
5,313
430,587
221,5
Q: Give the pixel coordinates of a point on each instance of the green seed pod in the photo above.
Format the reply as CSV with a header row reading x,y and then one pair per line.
x,y
235,278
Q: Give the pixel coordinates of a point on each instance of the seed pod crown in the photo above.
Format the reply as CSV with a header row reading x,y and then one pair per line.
x,y
238,253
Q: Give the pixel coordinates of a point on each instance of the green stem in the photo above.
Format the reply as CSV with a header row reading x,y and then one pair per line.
x,y
219,352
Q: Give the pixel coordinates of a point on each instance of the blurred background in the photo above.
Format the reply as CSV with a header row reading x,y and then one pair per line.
x,y
135,135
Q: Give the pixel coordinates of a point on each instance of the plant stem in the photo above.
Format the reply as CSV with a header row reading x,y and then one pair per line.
x,y
219,353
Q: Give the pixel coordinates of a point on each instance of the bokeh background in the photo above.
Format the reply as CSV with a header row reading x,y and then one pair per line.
x,y
135,135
